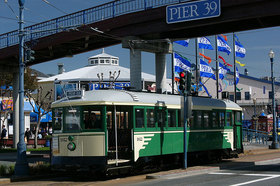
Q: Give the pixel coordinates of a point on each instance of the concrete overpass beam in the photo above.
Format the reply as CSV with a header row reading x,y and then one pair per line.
x,y
135,69
161,72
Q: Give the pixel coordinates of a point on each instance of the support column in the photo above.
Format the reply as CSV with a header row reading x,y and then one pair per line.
x,y
135,69
160,72
16,109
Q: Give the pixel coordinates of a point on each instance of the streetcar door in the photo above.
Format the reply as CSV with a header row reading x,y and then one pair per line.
x,y
238,131
118,134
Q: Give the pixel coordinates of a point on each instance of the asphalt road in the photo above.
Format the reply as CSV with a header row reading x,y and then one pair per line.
x,y
261,175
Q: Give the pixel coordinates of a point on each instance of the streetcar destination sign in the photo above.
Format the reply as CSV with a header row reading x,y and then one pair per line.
x,y
193,11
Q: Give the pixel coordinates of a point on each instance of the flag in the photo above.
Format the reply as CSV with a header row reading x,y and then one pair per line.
x,y
206,70
224,36
240,51
237,76
241,64
204,42
223,45
206,90
206,57
180,64
222,71
184,43
225,61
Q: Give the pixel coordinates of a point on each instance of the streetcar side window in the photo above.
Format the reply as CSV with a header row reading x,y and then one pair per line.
x,y
238,117
57,119
139,118
161,117
229,119
206,119
92,118
72,119
198,119
214,119
222,119
150,118
171,118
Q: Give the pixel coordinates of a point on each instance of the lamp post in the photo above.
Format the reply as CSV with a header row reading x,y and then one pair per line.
x,y
274,144
21,166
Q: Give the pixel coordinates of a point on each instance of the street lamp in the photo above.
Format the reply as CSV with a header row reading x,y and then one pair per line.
x,y
274,144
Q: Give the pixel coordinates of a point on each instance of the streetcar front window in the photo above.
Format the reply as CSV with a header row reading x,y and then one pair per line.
x,y
72,119
57,119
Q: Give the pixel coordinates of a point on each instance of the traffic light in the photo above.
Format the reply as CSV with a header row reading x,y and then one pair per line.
x,y
182,81
29,55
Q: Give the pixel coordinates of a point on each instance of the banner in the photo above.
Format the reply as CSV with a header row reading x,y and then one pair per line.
x,y
204,42
184,43
206,70
223,45
180,64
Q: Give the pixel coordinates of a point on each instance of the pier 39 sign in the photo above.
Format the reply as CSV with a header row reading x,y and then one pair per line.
x,y
193,11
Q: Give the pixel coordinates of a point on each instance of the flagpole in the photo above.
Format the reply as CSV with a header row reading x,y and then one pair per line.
x,y
234,66
217,67
196,67
172,61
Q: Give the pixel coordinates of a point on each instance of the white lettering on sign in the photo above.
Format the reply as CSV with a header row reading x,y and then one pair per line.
x,y
193,10
184,12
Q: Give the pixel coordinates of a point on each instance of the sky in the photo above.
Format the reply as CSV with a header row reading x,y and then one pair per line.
x,y
256,42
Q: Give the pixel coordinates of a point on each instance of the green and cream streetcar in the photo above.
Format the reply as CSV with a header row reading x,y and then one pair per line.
x,y
111,129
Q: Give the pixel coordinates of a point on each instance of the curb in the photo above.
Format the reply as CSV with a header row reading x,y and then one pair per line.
x,y
183,173
5,180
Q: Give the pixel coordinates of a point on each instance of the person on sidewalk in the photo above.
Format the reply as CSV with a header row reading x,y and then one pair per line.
x,y
27,135
3,136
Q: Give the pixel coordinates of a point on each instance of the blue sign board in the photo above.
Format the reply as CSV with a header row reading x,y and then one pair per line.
x,y
193,11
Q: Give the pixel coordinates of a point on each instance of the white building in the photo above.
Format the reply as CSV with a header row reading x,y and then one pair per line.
x,y
102,70
252,94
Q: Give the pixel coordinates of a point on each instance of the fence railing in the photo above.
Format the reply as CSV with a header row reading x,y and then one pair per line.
x,y
84,17
256,136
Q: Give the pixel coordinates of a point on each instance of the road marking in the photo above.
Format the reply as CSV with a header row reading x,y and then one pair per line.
x,y
224,173
253,181
268,176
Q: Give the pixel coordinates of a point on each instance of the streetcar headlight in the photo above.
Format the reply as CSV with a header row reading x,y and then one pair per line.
x,y
71,146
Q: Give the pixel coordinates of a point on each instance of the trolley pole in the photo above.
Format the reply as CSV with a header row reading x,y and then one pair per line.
x,y
21,167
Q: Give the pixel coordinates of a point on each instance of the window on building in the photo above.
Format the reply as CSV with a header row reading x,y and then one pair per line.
x,y
107,61
102,61
231,97
238,95
96,61
270,95
247,96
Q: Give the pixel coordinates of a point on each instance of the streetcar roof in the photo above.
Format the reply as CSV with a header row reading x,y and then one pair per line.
x,y
122,97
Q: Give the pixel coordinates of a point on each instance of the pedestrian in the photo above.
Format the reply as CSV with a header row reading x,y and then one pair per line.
x,y
27,134
50,131
3,135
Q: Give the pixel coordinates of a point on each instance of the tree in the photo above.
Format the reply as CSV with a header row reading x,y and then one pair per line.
x,y
41,106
